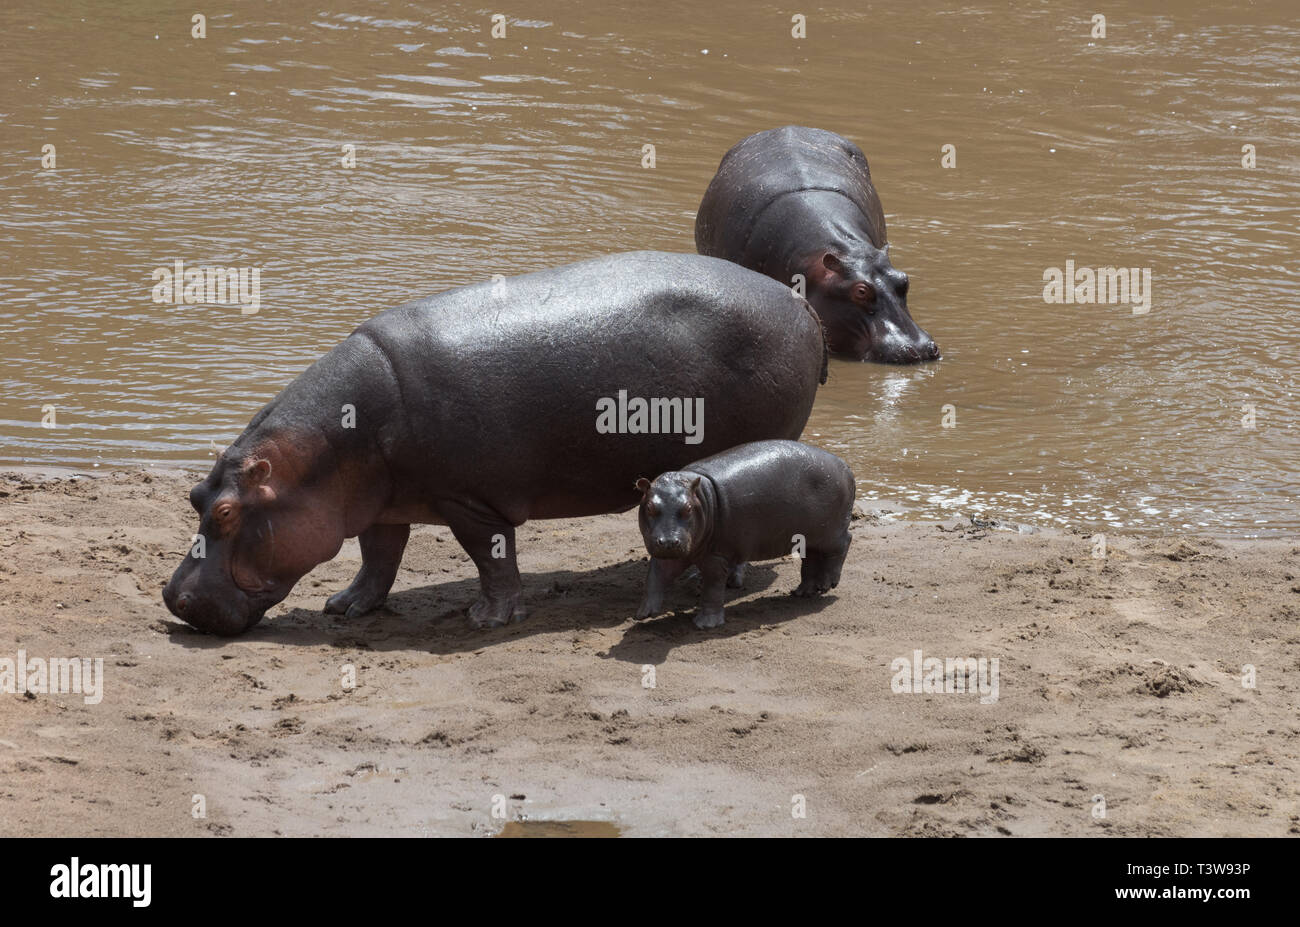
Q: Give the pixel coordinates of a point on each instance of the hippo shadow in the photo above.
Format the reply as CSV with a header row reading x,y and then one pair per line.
x,y
433,617
651,641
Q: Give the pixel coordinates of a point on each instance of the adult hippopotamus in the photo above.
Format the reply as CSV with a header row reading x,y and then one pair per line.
x,y
487,405
800,201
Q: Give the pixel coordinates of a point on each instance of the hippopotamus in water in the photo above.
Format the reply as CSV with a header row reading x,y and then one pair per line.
x,y
488,405
800,201
753,502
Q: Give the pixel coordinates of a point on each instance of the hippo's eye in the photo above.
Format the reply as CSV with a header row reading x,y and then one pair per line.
x,y
223,512
651,509
864,294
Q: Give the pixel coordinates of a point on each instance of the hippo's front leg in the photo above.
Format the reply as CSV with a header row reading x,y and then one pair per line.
x,y
381,554
663,573
713,591
490,542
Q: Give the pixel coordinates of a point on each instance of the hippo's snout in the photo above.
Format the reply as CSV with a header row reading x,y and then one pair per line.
x,y
667,546
178,605
224,615
907,354
926,350
899,340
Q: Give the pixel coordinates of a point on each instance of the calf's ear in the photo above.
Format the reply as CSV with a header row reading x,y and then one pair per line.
x,y
643,484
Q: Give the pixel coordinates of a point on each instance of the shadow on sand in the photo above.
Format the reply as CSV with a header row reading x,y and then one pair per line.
x,y
433,618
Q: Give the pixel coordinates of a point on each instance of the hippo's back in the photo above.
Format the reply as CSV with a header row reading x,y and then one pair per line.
x,y
769,165
781,483
503,385
776,467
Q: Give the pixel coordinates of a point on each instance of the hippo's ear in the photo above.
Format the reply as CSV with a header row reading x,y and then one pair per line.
x,y
256,473
832,263
643,484
695,487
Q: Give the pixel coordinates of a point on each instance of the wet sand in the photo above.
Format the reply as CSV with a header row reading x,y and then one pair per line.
x,y
1118,677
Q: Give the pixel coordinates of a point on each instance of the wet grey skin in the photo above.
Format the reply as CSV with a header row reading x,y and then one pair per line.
x,y
798,203
477,409
748,503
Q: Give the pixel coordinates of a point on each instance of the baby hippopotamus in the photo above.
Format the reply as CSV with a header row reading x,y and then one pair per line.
x,y
757,501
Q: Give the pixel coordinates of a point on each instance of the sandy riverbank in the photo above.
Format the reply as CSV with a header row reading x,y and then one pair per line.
x,y
1118,677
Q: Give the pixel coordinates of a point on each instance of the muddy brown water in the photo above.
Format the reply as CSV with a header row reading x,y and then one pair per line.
x,y
478,155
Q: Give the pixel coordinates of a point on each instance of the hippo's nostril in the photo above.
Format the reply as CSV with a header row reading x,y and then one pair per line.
x,y
182,605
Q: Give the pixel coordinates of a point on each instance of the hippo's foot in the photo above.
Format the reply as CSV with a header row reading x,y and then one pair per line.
x,y
497,612
660,576
381,552
361,597
820,574
736,578
649,609
811,588
706,617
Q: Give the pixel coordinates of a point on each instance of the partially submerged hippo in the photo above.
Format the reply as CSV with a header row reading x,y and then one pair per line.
x,y
758,501
800,201
478,409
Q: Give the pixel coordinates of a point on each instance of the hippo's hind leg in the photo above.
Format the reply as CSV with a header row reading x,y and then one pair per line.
x,y
490,542
381,554
662,574
820,571
736,578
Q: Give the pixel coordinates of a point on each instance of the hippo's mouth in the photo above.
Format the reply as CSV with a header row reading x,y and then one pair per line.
x,y
894,347
226,615
667,550
907,354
